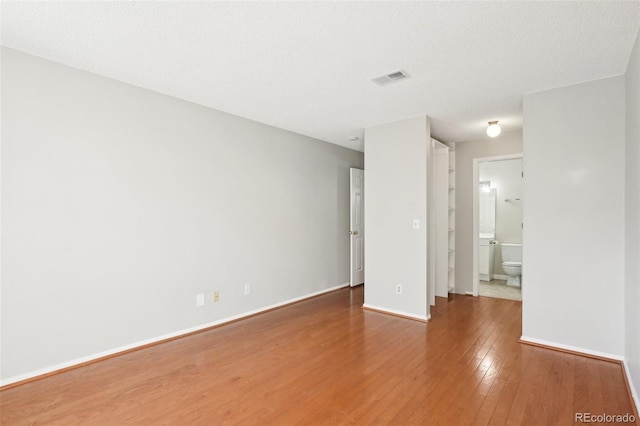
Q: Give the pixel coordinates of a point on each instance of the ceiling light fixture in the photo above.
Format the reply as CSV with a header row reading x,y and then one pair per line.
x,y
354,138
493,130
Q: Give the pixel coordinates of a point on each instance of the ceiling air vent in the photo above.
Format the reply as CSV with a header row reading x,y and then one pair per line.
x,y
393,77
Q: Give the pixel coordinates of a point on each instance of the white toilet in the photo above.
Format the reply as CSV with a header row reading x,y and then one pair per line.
x,y
512,263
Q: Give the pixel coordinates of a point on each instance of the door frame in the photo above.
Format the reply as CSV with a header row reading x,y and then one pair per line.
x,y
476,218
431,224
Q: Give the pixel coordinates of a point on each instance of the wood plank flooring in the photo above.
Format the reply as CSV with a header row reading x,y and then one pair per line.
x,y
325,361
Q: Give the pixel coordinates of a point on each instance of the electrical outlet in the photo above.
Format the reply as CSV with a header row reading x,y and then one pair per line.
x,y
216,296
398,288
416,224
200,299
247,289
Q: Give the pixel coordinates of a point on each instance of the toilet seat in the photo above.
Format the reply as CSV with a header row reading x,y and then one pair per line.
x,y
511,263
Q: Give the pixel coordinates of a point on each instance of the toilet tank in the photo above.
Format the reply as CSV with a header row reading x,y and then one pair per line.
x,y
511,252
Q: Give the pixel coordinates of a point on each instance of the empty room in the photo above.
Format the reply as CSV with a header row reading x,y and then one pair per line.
x,y
320,212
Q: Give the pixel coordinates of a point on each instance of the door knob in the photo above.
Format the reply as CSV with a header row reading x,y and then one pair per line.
x,y
353,232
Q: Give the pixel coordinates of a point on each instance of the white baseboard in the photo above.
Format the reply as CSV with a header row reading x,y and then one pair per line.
x,y
572,348
397,313
125,348
634,391
500,277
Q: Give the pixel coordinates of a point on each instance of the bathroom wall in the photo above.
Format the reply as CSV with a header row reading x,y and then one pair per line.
x,y
120,205
506,177
506,143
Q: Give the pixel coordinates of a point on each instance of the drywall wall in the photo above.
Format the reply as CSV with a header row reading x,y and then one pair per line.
x,y
120,205
632,220
573,237
506,177
396,182
466,152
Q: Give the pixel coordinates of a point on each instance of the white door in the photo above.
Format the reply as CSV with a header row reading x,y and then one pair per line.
x,y
357,227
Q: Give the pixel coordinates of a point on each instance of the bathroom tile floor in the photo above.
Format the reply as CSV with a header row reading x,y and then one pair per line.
x,y
499,289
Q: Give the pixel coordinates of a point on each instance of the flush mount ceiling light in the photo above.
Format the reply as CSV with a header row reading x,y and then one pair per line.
x,y
493,130
354,138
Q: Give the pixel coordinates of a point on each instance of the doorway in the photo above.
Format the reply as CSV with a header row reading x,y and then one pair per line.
x,y
497,226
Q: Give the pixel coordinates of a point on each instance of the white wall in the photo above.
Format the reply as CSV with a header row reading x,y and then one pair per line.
x,y
506,177
119,205
396,182
573,239
508,143
632,219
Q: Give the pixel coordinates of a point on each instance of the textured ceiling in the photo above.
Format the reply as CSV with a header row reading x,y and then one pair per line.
x,y
307,66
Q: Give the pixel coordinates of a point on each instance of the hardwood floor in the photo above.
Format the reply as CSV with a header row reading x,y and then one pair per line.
x,y
326,361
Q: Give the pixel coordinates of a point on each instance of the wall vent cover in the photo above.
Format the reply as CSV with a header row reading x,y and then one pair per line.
x,y
393,77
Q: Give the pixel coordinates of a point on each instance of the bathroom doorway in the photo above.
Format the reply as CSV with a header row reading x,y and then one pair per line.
x,y
497,226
